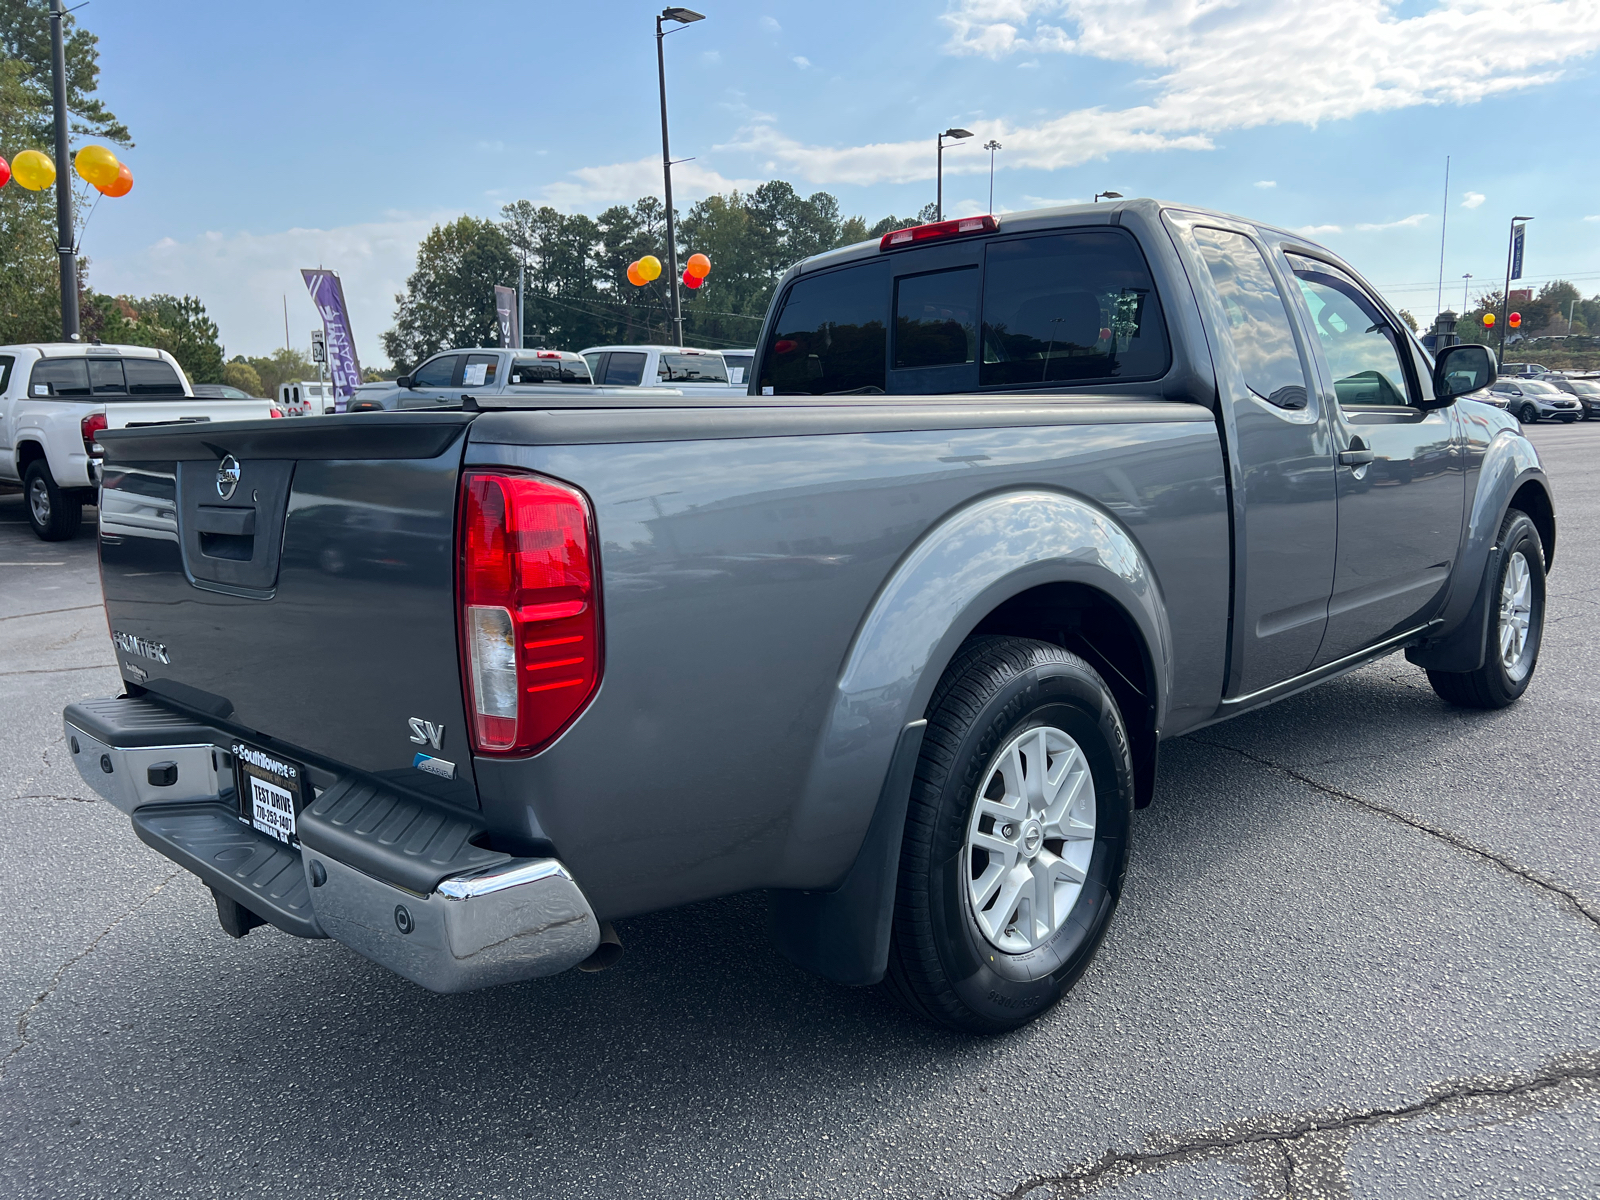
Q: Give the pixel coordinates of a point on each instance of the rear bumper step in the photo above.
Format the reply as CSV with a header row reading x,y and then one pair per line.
x,y
394,878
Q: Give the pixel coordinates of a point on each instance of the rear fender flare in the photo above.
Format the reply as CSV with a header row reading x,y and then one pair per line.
x,y
969,563
1509,462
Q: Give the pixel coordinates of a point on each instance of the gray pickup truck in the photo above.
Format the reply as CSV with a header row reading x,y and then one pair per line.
x,y
895,638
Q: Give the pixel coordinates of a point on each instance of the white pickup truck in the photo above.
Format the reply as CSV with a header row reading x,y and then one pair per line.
x,y
688,370
55,398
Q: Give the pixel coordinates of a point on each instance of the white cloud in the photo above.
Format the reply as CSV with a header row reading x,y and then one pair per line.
x,y
801,61
711,57
1472,199
1596,217
495,147
244,278
626,182
1223,66
1266,183
1319,230
1410,222
770,24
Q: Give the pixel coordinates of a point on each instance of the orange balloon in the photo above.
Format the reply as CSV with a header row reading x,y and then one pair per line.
x,y
1516,319
636,276
698,265
121,186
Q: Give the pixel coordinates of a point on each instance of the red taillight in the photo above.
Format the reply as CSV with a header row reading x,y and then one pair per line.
x,y
91,425
274,413
939,229
530,621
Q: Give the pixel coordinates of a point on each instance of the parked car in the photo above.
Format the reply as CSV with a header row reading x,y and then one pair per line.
x,y
307,398
1524,370
689,370
444,379
1585,391
224,391
1528,399
57,398
894,639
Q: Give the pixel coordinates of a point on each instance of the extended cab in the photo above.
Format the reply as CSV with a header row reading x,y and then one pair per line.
x,y
55,400
687,369
445,379
895,637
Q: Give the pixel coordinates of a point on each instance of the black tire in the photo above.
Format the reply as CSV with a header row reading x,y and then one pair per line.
x,y
941,965
1493,685
1529,415
55,513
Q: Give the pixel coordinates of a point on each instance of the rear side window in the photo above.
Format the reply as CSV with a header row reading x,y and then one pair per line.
x,y
151,377
7,361
624,369
106,378
830,338
549,370
1070,308
738,367
1258,322
936,319
66,378
481,370
691,368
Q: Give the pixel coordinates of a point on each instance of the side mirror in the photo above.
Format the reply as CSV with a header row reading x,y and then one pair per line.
x,y
1461,369
405,381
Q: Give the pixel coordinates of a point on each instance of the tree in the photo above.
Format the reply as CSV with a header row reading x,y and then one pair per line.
x,y
449,298
1410,321
240,374
282,366
557,253
25,42
178,325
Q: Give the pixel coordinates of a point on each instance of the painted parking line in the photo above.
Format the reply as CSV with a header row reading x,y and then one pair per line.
x,y
32,564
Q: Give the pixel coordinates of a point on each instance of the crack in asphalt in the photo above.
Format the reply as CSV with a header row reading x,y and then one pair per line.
x,y
110,666
39,1001
1583,907
1284,1133
51,612
43,796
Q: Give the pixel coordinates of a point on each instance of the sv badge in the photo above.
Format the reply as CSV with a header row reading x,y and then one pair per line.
x,y
426,733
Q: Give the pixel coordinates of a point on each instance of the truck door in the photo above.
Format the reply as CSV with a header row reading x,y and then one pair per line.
x,y
1286,526
1400,479
434,384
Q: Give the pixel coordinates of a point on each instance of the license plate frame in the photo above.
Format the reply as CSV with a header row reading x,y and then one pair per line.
x,y
271,790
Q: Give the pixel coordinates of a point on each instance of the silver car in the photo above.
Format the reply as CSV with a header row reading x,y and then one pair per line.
x,y
1585,391
1530,399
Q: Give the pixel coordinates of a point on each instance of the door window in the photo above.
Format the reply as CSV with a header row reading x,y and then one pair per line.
x,y
1258,323
151,377
691,368
1069,308
1362,348
106,378
830,336
67,379
480,370
437,372
625,369
7,361
936,319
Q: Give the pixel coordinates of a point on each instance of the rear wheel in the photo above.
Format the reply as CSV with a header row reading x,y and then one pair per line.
x,y
1016,838
55,514
1517,623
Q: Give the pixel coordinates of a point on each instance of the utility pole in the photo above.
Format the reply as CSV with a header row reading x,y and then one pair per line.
x,y
1444,223
1466,282
991,146
683,16
64,231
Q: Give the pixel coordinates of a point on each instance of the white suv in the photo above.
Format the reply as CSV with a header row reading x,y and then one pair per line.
x,y
55,398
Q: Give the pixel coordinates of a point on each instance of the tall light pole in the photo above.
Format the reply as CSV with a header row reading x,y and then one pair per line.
x,y
1505,296
955,135
1466,282
64,232
683,16
991,146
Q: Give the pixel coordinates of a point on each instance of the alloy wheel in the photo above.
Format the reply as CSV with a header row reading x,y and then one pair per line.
x,y
39,502
1030,839
1516,617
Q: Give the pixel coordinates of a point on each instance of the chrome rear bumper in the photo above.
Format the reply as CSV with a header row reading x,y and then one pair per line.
x,y
518,919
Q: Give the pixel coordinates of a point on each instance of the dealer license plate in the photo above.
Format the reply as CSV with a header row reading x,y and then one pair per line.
x,y
271,791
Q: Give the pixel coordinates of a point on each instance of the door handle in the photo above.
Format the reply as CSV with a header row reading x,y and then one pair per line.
x,y
1354,458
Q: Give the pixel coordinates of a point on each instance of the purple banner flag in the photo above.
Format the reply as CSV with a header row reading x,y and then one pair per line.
x,y
505,315
328,295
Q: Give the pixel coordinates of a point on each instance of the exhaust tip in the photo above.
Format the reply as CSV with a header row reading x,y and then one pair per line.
x,y
607,954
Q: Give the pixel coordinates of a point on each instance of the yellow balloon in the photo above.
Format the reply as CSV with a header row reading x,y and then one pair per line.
x,y
33,170
97,165
650,267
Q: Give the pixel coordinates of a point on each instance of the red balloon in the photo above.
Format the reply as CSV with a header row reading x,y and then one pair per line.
x,y
1516,319
691,281
5,172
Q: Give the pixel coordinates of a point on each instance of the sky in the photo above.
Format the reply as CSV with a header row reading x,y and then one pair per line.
x,y
297,134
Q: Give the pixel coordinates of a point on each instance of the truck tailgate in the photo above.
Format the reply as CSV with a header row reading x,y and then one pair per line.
x,y
139,414
295,581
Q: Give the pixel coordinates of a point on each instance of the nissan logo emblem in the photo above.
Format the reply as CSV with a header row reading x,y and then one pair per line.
x,y
227,476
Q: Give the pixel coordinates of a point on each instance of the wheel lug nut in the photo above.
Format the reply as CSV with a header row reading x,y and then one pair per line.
x,y
1008,830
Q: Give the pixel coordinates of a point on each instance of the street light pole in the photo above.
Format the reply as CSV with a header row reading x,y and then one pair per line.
x,y
684,16
64,230
1466,282
991,146
1505,296
954,135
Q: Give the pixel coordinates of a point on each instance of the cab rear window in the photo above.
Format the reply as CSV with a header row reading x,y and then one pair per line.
x,y
549,370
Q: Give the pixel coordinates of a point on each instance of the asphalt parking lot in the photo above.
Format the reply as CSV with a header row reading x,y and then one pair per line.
x,y
1359,957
